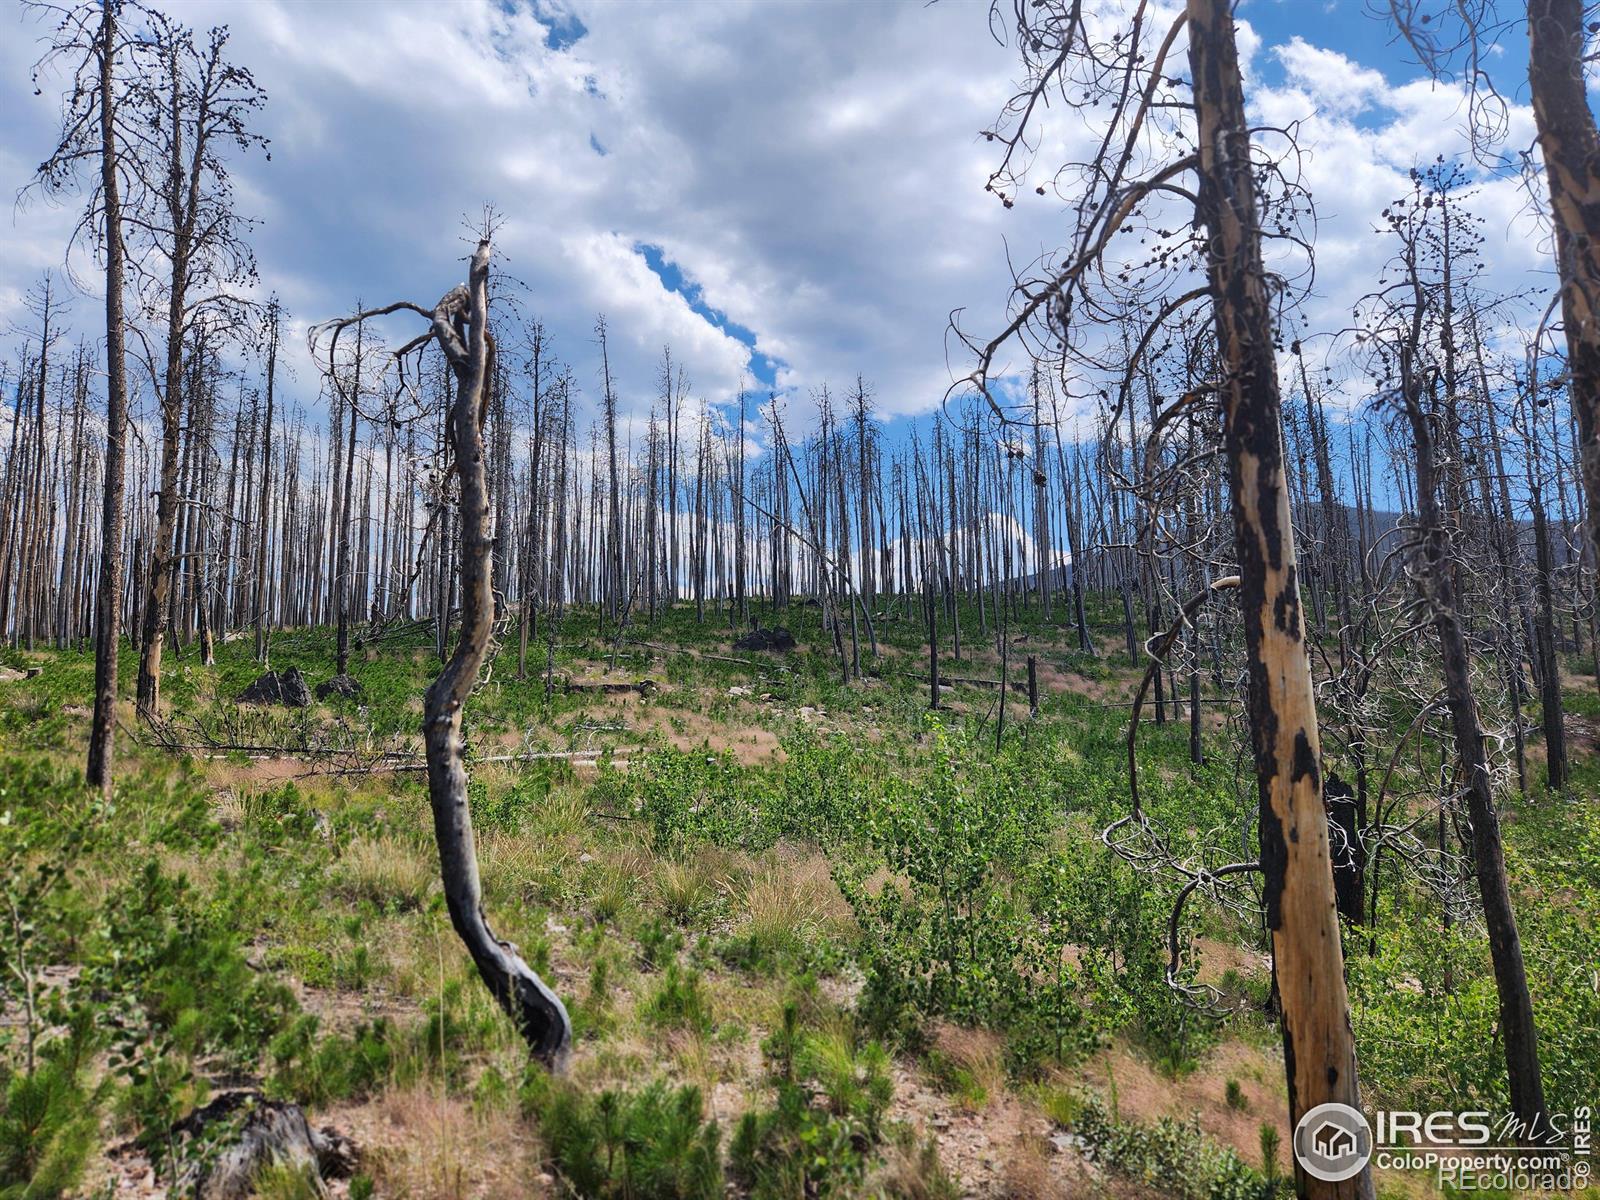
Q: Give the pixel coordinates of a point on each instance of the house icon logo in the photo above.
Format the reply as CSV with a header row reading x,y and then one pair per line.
x,y
1333,1142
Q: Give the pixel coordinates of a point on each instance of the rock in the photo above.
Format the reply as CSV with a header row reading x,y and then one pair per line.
x,y
1066,1143
340,685
777,638
243,1133
738,690
286,687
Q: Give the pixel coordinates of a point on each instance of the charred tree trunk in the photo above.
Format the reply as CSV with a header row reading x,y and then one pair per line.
x,y
1517,1028
460,326
108,600
1570,145
264,501
1308,963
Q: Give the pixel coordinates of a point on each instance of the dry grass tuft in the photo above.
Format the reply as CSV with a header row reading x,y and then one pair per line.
x,y
970,1063
427,1145
690,885
564,813
1033,1172
387,871
912,1171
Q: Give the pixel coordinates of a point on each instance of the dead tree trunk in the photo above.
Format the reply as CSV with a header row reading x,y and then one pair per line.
x,y
1570,145
1505,946
460,327
108,601
1308,963
264,502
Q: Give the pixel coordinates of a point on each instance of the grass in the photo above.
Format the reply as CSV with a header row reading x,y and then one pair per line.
x,y
683,903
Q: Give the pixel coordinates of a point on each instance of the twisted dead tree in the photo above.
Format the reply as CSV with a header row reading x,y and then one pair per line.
x,y
459,326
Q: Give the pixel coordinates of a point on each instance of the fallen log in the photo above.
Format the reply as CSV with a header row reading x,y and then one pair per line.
x,y
955,680
727,658
576,757
612,687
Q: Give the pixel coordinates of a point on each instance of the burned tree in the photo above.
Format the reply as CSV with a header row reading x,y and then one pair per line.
x,y
195,103
1409,328
1143,165
459,327
94,133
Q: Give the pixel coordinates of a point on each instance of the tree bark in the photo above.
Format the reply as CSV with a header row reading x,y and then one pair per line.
x,y
1308,963
1570,145
460,326
108,601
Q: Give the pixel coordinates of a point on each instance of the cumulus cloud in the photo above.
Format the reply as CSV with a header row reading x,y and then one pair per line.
x,y
768,187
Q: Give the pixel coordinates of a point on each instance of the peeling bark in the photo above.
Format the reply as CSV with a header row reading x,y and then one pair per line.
x,y
1319,1046
460,326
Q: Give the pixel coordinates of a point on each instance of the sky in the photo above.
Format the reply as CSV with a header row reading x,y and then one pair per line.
x,y
788,194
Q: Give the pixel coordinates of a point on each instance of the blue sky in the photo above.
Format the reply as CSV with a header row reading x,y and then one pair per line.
x,y
787,193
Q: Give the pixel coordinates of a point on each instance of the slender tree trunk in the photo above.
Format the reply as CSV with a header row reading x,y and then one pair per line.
x,y
1308,963
108,599
1517,1030
263,533
539,1014
341,570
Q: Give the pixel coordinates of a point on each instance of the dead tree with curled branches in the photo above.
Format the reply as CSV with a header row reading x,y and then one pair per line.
x,y
459,327
1145,170
1408,327
1453,40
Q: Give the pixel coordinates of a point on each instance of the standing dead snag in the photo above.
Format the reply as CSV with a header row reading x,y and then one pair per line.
x,y
460,327
1570,143
1319,1045
1201,212
95,132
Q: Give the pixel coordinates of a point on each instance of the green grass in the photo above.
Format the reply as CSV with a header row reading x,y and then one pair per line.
x,y
219,922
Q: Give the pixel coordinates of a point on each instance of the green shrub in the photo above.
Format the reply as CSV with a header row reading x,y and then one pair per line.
x,y
800,1147
48,1123
654,1144
679,1001
1172,1157
946,934
317,1071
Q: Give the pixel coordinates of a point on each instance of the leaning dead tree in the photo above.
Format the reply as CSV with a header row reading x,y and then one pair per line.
x,y
459,327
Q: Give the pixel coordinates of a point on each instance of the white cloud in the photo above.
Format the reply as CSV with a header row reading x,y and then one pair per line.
x,y
1331,80
815,173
